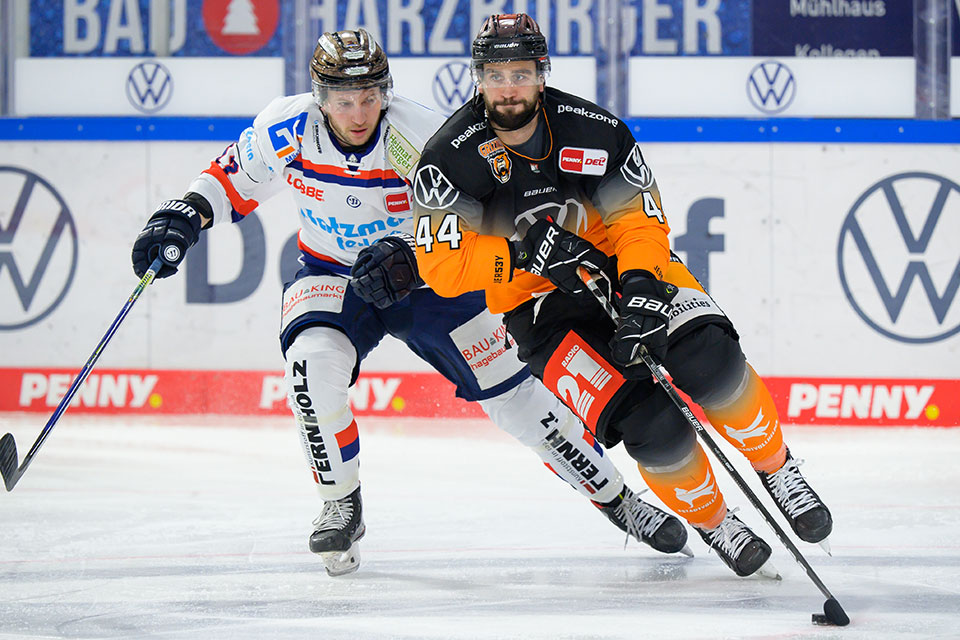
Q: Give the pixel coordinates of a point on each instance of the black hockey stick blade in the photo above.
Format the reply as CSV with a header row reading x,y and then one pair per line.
x,y
8,461
833,614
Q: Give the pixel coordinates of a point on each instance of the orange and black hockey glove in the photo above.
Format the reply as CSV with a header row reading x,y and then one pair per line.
x,y
550,251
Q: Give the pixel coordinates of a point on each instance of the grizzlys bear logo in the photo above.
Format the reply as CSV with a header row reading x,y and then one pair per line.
x,y
496,155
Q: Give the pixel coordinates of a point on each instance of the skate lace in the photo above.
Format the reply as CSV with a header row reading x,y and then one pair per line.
x,y
641,519
790,489
731,536
335,515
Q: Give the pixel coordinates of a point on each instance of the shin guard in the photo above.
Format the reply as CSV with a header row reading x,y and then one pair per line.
x,y
749,421
689,489
318,370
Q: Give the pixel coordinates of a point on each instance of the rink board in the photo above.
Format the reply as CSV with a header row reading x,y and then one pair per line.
x,y
835,261
800,401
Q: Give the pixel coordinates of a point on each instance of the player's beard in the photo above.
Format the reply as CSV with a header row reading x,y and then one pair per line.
x,y
514,120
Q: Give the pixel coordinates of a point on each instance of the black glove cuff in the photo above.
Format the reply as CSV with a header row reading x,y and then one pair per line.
x,y
521,253
636,274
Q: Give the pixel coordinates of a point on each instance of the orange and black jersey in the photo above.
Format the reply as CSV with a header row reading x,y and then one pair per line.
x,y
472,194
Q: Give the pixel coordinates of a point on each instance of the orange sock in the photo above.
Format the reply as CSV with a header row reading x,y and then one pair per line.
x,y
751,424
690,491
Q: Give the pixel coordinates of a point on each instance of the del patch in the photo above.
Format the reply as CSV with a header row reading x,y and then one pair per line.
x,y
482,341
591,162
313,293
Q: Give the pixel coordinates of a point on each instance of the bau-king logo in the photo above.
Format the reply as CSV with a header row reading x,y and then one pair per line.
x,y
899,259
37,260
771,87
452,86
149,86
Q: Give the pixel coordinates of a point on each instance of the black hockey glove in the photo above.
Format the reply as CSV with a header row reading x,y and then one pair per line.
x,y
171,230
644,315
386,272
551,251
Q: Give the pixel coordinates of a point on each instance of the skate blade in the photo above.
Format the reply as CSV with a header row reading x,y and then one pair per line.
x,y
340,563
825,545
767,570
686,551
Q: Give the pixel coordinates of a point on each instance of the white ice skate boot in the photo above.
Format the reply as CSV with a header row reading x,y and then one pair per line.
x,y
337,529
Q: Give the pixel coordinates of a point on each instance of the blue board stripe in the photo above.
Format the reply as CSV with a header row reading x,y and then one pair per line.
x,y
814,130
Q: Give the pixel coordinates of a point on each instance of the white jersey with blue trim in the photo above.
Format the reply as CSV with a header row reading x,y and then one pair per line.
x,y
347,201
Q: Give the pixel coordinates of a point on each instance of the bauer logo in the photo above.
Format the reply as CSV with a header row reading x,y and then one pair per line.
x,y
38,248
899,260
591,162
149,87
771,87
452,86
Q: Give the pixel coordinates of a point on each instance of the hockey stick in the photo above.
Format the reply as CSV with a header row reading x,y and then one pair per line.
x,y
8,446
833,613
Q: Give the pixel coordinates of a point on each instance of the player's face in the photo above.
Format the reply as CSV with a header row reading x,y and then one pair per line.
x,y
510,91
353,114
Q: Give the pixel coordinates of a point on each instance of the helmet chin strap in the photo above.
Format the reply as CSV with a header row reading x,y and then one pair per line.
x,y
525,122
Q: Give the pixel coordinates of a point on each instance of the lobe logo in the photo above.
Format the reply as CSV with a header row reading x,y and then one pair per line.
x,y
38,248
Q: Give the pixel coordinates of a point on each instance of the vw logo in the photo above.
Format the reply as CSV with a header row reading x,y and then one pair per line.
x,y
353,201
771,87
149,86
899,259
452,86
38,248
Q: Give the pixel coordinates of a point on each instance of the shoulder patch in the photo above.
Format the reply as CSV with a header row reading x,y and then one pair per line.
x,y
432,189
286,135
403,156
635,170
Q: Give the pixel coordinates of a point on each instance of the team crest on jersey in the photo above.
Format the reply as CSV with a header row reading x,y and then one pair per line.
x,y
591,162
498,158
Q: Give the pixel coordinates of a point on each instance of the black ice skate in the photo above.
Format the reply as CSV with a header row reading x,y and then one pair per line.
x,y
808,516
646,523
338,527
740,548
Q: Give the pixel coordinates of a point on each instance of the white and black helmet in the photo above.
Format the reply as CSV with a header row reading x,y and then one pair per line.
x,y
349,60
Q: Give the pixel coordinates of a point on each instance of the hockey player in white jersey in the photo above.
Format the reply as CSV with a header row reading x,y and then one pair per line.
x,y
347,152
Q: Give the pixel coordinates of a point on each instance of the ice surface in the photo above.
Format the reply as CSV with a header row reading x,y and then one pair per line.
x,y
122,529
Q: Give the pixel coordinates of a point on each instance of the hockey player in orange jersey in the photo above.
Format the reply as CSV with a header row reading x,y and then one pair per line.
x,y
526,183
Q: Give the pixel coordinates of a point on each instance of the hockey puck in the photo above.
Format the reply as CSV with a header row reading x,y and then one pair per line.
x,y
833,614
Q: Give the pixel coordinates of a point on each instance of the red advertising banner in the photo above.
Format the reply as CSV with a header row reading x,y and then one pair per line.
x,y
800,401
